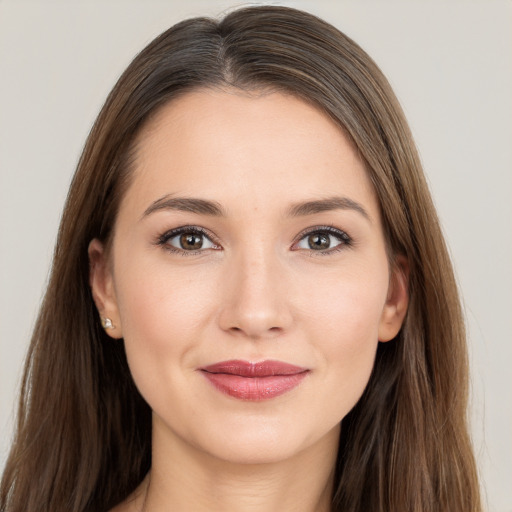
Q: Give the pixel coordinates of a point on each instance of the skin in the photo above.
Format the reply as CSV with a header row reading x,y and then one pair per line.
x,y
255,291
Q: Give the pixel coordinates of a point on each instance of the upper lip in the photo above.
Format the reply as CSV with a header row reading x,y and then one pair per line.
x,y
259,369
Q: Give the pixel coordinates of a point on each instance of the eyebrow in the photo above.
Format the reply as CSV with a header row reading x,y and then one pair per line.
x,y
186,204
325,205
213,208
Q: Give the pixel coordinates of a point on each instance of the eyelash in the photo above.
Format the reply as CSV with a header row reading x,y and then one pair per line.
x,y
172,233
344,239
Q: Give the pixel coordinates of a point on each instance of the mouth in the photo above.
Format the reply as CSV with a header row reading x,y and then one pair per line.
x,y
254,381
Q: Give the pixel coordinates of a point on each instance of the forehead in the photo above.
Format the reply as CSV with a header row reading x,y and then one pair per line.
x,y
267,148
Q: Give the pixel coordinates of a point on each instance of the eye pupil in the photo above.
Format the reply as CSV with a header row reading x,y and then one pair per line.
x,y
319,241
191,241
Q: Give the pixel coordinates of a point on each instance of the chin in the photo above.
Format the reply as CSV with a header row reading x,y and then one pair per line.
x,y
266,443
258,452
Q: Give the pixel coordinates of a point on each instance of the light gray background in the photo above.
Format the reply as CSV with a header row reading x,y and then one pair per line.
x,y
451,66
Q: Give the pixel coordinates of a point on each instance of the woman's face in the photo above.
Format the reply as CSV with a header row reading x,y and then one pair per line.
x,y
248,275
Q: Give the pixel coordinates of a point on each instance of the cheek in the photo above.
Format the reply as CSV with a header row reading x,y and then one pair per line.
x,y
161,313
344,320
158,299
348,304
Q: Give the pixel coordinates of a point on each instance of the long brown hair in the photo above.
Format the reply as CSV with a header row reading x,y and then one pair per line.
x,y
83,439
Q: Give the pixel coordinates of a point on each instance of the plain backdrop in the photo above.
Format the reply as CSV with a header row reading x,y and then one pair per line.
x,y
450,63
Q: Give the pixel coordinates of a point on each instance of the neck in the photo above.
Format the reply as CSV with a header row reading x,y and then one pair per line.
x,y
183,478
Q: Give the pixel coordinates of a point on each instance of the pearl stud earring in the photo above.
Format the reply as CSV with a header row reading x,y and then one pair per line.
x,y
106,323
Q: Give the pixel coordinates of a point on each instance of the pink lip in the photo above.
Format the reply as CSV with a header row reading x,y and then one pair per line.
x,y
254,381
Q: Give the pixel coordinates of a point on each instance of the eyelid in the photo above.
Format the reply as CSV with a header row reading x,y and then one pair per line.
x,y
343,236
171,233
345,239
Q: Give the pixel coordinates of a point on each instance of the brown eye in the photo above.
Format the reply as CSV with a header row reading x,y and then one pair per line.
x,y
319,241
187,239
191,241
323,240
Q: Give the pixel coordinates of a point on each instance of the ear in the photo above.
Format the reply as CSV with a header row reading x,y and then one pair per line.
x,y
102,287
397,300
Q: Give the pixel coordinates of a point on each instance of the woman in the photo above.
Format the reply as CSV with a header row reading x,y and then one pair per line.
x,y
251,304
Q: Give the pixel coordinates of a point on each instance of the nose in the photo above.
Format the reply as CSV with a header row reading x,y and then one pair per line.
x,y
254,300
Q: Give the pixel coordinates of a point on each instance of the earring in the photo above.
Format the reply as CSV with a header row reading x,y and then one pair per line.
x,y
106,323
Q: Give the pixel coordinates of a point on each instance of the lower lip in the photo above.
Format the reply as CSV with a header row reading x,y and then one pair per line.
x,y
254,388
